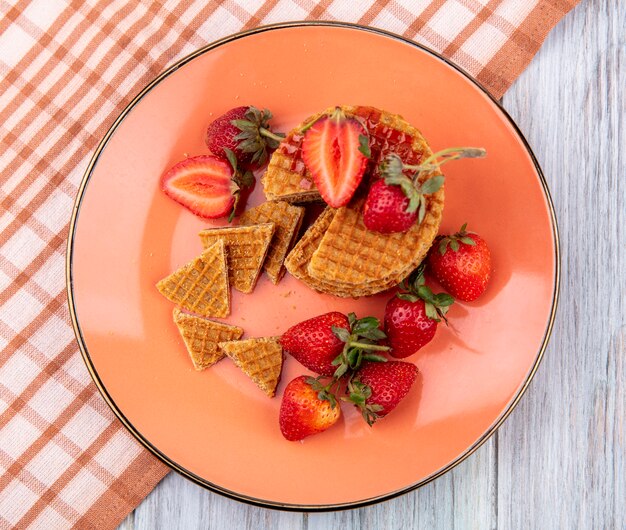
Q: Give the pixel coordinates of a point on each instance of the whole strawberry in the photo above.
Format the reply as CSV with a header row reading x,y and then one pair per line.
x,y
396,201
307,408
461,263
313,342
377,388
333,343
411,317
386,209
246,132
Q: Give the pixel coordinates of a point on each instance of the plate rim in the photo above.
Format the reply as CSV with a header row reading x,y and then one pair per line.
x,y
265,503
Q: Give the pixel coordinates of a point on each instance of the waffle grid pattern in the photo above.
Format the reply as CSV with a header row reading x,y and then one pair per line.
x,y
201,286
201,337
287,220
247,247
261,359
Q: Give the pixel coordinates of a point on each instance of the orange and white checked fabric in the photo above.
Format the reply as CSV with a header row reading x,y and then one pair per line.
x,y
66,71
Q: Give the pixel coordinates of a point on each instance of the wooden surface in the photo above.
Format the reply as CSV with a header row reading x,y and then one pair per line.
x,y
559,460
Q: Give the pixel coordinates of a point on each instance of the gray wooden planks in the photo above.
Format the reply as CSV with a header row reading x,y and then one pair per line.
x,y
561,454
559,460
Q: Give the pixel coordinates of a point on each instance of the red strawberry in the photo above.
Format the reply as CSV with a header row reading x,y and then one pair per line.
x,y
303,412
462,264
331,344
377,388
313,342
246,132
385,209
396,201
411,317
335,150
203,184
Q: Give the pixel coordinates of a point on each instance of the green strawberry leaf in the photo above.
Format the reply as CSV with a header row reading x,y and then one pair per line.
x,y
408,297
341,333
357,399
232,159
431,311
422,210
432,185
373,334
364,146
443,245
365,324
467,240
340,371
375,358
443,300
353,358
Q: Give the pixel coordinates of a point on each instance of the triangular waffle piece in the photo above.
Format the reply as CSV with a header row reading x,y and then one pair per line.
x,y
247,247
201,286
201,337
287,220
260,359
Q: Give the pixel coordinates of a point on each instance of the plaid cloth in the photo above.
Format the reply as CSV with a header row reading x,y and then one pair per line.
x,y
67,69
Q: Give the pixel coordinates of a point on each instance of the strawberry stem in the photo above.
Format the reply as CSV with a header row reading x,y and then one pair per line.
x,y
364,346
446,155
269,134
435,305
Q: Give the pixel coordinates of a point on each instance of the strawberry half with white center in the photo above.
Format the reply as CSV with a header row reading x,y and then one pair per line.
x,y
398,199
203,184
411,317
246,132
335,150
378,388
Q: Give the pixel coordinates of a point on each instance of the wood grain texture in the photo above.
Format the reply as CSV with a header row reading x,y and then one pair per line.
x,y
561,453
559,460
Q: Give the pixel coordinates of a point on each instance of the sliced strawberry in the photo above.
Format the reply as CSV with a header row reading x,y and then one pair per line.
x,y
203,184
334,151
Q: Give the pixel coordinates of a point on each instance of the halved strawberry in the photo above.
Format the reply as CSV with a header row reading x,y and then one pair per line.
x,y
335,150
203,184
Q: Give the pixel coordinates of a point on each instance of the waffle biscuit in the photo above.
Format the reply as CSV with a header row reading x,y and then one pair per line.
x,y
201,286
287,220
247,247
287,177
299,258
201,337
260,359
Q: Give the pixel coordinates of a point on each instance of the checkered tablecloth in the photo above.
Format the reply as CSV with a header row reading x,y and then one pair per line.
x,y
67,69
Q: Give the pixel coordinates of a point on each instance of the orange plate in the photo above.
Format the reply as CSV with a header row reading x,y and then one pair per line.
x,y
216,427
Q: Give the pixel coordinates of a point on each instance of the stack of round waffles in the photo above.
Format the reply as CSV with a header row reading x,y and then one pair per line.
x,y
338,254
